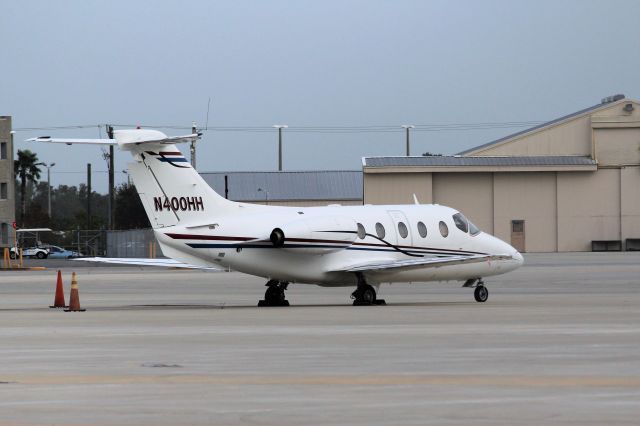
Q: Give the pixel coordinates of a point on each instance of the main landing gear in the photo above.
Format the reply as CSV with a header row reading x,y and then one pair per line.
x,y
274,296
365,294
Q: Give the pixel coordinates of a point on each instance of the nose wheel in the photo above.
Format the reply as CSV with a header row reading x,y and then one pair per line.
x,y
481,294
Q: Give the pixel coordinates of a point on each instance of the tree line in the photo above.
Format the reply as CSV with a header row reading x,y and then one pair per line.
x,y
69,203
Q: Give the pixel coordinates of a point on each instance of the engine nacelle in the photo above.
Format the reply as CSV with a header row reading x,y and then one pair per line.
x,y
315,235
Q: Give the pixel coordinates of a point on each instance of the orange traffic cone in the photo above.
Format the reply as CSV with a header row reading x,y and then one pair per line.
x,y
58,302
74,297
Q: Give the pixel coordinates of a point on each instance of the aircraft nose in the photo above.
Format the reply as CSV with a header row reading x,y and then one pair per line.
x,y
518,257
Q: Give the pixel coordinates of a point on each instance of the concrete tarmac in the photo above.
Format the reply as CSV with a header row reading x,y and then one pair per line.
x,y
558,343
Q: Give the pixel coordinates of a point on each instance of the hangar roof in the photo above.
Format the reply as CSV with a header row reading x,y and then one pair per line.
x,y
480,164
457,161
290,185
605,103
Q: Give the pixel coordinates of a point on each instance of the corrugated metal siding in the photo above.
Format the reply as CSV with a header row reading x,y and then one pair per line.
x,y
454,161
283,186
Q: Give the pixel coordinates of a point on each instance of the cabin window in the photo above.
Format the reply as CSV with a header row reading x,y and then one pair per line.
x,y
422,229
444,229
361,231
402,229
380,230
461,222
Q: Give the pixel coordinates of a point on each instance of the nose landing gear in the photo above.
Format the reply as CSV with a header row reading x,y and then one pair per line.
x,y
481,294
274,296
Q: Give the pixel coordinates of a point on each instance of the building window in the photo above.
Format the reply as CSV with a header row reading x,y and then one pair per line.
x,y
380,230
422,229
444,229
361,231
3,191
3,150
517,226
4,233
402,229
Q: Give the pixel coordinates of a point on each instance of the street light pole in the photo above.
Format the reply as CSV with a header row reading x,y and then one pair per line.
x,y
48,166
407,127
280,127
192,148
49,186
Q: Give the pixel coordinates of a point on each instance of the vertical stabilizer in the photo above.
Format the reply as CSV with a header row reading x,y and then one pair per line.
x,y
171,190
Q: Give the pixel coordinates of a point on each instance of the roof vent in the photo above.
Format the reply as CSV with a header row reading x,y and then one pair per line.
x,y
613,98
628,107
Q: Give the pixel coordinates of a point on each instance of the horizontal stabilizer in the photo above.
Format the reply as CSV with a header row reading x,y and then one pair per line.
x,y
124,138
428,262
71,141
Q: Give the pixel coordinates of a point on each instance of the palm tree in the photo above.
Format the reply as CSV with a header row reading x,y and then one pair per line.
x,y
26,168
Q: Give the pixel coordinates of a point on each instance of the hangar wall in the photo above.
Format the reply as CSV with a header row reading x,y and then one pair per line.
x,y
563,208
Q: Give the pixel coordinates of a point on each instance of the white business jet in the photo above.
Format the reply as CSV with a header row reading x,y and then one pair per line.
x,y
357,246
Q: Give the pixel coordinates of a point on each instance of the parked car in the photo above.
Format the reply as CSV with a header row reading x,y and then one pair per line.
x,y
39,252
56,252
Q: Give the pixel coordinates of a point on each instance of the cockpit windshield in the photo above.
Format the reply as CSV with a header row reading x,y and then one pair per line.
x,y
463,224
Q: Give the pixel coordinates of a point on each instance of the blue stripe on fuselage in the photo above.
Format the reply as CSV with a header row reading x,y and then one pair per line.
x,y
173,160
207,245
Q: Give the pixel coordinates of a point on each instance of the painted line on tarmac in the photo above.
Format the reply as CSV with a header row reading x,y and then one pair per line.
x,y
333,380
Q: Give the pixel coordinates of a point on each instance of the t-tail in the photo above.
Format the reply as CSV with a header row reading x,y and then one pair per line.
x,y
171,191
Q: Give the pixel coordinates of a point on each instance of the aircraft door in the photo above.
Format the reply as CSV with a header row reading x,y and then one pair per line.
x,y
402,228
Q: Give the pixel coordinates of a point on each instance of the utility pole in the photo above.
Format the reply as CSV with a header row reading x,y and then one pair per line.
x,y
49,166
111,181
193,146
407,127
280,127
88,195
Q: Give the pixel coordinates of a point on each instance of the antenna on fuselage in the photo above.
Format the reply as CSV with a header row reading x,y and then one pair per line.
x,y
415,199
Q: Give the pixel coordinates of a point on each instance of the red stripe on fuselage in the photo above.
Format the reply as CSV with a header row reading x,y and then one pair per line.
x,y
307,240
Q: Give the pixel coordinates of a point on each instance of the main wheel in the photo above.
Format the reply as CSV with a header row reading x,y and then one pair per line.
x,y
481,294
274,296
368,295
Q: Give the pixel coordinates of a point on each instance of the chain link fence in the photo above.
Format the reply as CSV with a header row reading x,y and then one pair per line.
x,y
132,243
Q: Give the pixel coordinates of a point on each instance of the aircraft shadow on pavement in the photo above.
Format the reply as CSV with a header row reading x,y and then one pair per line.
x,y
164,307
293,306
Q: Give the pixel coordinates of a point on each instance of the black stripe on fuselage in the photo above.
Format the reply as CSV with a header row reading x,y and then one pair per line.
x,y
241,242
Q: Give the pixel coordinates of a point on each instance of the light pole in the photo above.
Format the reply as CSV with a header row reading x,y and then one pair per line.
x,y
48,166
406,127
280,127
192,148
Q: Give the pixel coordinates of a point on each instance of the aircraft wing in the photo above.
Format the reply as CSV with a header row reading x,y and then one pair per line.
x,y
167,263
423,262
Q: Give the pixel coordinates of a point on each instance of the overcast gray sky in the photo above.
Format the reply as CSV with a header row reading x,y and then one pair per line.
x,y
304,63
